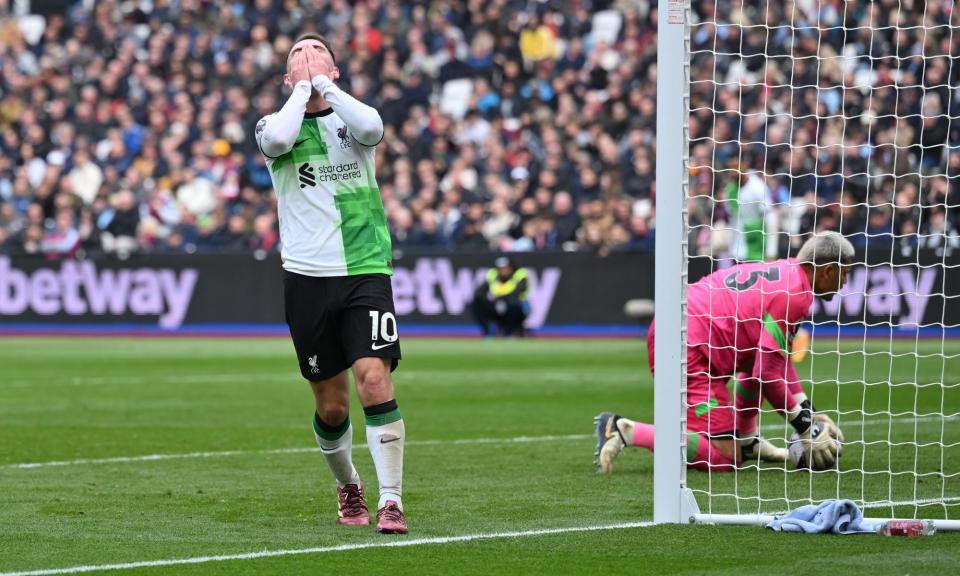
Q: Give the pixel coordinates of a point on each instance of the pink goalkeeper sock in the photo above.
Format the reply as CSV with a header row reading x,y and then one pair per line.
x,y
643,435
702,455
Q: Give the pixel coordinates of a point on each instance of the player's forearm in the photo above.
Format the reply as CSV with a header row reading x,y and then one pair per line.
x,y
777,377
802,406
280,131
363,121
793,384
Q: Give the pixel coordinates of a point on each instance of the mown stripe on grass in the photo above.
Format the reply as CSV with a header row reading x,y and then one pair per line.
x,y
527,372
227,453
329,549
846,423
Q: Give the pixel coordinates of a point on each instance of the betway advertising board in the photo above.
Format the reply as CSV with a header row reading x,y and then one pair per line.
x,y
171,292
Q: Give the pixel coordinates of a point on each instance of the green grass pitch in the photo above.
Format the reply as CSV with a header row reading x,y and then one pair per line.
x,y
500,440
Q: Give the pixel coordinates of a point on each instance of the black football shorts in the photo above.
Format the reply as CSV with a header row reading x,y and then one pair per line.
x,y
336,320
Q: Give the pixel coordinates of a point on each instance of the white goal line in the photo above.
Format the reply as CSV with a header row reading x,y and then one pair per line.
x,y
329,549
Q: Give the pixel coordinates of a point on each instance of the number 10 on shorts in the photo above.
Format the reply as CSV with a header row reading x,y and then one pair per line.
x,y
383,326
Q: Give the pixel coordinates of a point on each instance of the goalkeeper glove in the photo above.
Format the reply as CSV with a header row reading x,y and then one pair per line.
x,y
818,444
820,447
824,421
828,426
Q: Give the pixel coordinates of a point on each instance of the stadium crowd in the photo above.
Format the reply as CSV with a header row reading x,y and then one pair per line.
x,y
129,128
510,126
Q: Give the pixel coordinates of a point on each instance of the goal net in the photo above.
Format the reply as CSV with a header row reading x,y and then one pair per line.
x,y
800,117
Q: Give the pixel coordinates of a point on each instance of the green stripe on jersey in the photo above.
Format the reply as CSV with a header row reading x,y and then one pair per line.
x,y
363,226
311,147
332,220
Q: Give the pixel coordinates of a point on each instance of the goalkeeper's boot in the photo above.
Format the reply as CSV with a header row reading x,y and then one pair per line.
x,y
610,441
390,519
352,507
759,448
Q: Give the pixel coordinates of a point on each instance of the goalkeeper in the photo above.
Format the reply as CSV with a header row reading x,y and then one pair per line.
x,y
741,320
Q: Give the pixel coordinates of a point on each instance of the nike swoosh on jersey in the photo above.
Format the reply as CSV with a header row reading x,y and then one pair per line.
x,y
375,347
295,144
388,440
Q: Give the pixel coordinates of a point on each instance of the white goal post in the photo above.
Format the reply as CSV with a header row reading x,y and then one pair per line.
x,y
673,501
887,371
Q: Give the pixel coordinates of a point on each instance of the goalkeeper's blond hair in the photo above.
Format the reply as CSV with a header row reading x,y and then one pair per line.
x,y
826,248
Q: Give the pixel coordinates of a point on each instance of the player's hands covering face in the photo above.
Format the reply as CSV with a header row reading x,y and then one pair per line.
x,y
299,69
317,64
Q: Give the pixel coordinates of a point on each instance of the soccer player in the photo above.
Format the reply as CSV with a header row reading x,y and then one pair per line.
x,y
741,320
336,255
754,223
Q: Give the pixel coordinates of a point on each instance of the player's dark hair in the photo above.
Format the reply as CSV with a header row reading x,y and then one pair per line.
x,y
318,38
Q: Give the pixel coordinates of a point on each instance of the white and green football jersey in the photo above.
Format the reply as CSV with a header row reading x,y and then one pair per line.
x,y
331,216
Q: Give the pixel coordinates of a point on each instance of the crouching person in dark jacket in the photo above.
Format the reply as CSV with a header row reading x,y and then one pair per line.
x,y
500,304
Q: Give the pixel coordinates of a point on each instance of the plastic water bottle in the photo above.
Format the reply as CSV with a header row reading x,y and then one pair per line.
x,y
907,528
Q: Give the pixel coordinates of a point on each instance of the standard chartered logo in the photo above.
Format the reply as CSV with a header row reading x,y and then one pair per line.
x,y
310,175
306,175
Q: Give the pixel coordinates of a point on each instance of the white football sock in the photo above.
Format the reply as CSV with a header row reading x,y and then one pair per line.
x,y
386,447
339,456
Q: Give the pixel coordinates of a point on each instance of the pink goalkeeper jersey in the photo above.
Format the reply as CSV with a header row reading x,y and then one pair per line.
x,y
737,311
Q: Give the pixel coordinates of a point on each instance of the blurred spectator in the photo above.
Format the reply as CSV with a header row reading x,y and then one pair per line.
x,y
426,233
938,231
537,41
566,219
63,239
265,234
85,177
234,236
120,224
